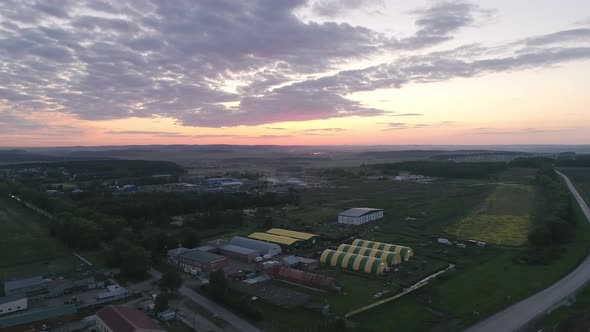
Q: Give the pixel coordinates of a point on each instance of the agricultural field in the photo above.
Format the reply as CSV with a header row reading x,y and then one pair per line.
x,y
503,219
26,246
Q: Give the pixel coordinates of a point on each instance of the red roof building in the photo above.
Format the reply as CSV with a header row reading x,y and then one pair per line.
x,y
115,318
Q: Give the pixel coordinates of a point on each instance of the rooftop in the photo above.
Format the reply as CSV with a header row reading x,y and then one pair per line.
x,y
13,297
23,283
202,257
123,319
238,249
357,212
289,233
33,315
273,238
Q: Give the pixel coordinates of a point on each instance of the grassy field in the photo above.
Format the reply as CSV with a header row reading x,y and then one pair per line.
x,y
485,279
580,176
581,307
26,247
503,219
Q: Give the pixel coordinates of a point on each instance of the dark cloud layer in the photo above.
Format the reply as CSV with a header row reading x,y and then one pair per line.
x,y
100,60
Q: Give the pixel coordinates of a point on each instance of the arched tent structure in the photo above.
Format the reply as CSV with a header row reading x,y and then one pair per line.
x,y
391,258
405,252
353,262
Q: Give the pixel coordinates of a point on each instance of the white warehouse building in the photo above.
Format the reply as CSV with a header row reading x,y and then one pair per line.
x,y
359,216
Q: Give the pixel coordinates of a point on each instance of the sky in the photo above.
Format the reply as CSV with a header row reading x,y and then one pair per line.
x,y
294,72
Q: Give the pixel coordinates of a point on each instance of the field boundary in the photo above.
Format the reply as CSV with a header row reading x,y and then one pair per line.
x,y
408,290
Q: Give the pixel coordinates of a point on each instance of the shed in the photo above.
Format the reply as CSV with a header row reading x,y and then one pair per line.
x,y
27,285
281,240
242,253
391,258
359,216
290,261
353,262
13,303
264,248
405,252
307,238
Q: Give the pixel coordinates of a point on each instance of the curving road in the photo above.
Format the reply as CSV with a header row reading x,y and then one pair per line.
x,y
519,314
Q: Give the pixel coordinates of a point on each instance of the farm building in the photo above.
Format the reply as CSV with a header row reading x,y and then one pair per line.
x,y
359,216
353,262
241,253
13,303
201,261
391,258
304,278
299,262
29,285
306,238
405,252
264,248
115,318
283,241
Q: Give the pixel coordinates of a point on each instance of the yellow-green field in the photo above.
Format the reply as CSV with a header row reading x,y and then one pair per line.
x,y
503,219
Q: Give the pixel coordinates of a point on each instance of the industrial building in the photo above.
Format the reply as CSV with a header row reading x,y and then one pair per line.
x,y
353,262
200,261
116,318
29,285
391,258
405,252
52,316
283,241
359,216
306,238
13,303
264,248
241,253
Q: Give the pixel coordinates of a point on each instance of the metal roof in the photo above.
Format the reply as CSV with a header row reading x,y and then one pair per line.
x,y
201,257
273,238
289,233
12,298
34,315
260,246
357,212
239,250
123,319
291,260
353,262
23,283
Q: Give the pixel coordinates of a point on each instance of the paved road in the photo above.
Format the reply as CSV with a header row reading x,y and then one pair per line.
x,y
235,321
519,314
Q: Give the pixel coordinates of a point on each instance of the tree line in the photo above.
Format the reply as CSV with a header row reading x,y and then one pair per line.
x,y
468,170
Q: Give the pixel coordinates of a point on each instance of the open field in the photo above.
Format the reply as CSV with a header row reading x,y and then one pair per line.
x,y
26,246
503,219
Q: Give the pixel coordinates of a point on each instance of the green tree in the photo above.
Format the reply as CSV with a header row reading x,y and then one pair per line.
x,y
170,282
541,237
190,238
217,284
111,226
134,262
161,303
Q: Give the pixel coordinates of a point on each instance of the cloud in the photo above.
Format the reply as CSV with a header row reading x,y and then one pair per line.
x,y
437,23
325,129
333,8
170,134
276,128
229,63
407,114
394,126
